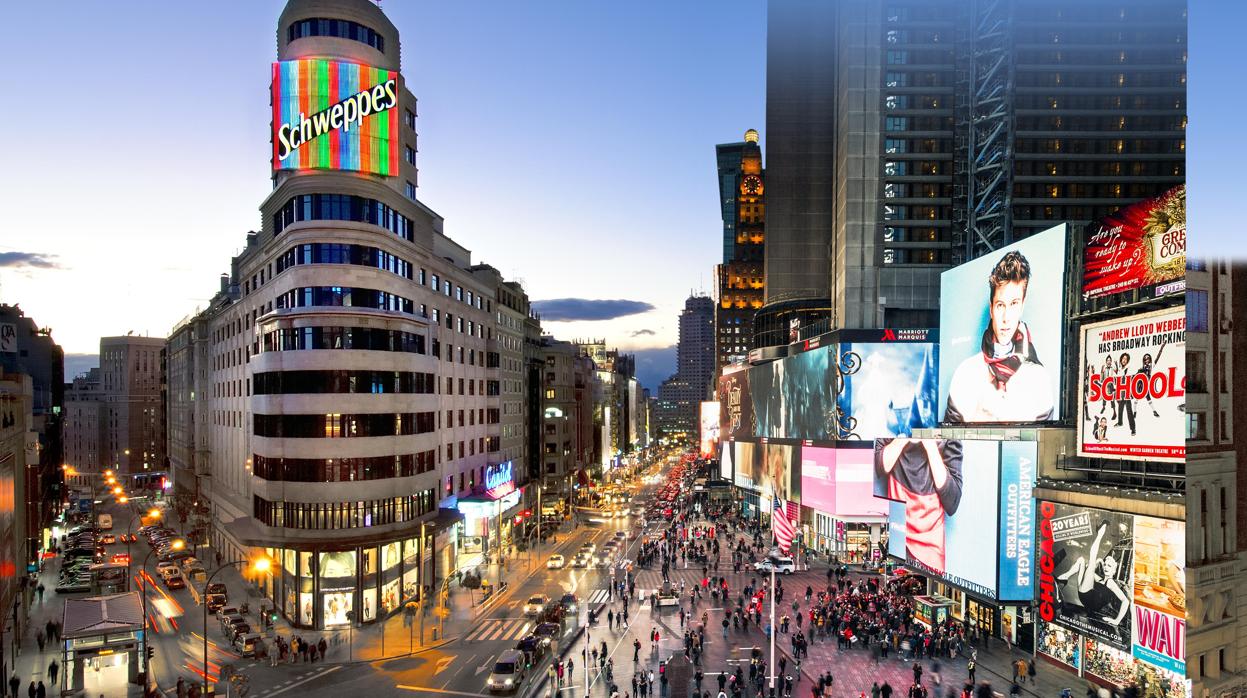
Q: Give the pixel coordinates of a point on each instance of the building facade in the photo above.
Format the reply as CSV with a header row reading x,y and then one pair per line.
x,y
904,137
339,403
132,429
739,285
680,396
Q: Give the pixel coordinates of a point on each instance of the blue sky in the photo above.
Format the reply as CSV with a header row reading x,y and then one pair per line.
x,y
569,144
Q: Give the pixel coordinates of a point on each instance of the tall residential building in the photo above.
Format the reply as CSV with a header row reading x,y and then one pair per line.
x,y
739,287
26,348
562,380
132,438
1216,483
339,402
680,396
84,403
904,136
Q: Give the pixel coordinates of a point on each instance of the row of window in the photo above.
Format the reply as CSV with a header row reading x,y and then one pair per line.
x,y
343,469
345,297
361,338
342,207
324,516
340,28
339,253
332,426
373,382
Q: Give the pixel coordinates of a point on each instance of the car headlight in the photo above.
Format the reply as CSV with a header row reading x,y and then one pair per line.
x,y
509,682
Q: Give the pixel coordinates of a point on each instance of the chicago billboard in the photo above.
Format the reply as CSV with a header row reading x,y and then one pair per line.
x,y
1133,391
335,115
960,511
1141,246
1001,334
891,390
1086,564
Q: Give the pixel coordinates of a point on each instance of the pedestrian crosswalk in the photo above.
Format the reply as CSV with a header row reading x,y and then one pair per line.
x,y
598,596
493,629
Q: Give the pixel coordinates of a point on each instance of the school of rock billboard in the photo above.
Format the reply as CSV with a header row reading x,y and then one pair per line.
x,y
1133,391
1141,246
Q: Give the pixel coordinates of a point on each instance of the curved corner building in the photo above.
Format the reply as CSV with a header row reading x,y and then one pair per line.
x,y
347,369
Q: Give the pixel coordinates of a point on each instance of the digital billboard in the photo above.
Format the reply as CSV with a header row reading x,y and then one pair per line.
x,y
839,481
1141,246
943,513
746,463
1001,332
726,456
893,390
794,397
1133,391
1159,629
736,419
709,428
778,463
335,115
1086,563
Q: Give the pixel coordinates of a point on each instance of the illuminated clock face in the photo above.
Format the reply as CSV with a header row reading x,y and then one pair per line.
x,y
752,185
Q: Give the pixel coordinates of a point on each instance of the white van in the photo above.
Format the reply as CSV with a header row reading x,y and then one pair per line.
x,y
105,522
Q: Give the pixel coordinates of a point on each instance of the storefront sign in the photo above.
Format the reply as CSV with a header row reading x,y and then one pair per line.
x,y
498,478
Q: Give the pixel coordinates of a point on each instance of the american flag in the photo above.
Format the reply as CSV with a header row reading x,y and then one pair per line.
x,y
783,514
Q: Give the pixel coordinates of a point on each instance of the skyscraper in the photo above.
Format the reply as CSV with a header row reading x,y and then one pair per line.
x,y
679,396
910,135
739,278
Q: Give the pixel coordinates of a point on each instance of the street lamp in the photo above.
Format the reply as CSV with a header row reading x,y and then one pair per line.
x,y
147,668
259,566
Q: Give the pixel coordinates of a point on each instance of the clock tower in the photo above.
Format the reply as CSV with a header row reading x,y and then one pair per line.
x,y
739,285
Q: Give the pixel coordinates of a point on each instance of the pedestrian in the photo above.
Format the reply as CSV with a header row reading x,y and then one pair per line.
x,y
636,651
181,688
30,692
1030,671
41,691
14,684
53,669
40,639
970,666
323,646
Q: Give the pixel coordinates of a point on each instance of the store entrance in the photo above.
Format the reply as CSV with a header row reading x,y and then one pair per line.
x,y
983,617
106,675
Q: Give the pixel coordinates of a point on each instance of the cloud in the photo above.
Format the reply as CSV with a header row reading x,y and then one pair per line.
x,y
588,309
640,333
27,260
653,366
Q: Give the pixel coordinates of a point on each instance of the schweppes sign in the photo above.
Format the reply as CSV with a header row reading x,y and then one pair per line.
x,y
335,115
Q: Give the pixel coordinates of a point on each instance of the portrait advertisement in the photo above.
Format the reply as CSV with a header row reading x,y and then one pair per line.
x,y
1002,334
1092,567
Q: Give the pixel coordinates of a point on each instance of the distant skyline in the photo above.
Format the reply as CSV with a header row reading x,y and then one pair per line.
x,y
585,131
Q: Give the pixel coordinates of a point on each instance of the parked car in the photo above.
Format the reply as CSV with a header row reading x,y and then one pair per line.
x,y
215,588
215,602
176,582
508,672
783,565
74,586
249,644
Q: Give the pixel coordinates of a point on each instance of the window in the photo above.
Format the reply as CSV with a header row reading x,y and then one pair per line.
x,y
1196,426
409,190
1196,310
307,426
362,338
345,297
550,393
409,118
409,154
339,28
339,253
1196,372
341,207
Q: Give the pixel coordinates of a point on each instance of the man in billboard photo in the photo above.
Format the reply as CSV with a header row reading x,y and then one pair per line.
x,y
1004,381
926,475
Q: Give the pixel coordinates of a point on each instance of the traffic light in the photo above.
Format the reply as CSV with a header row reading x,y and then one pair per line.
x,y
272,618
151,652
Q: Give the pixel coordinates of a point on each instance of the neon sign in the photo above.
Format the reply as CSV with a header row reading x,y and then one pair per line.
x,y
335,115
498,478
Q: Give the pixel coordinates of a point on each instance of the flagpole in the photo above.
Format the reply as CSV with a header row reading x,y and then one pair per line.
x,y
772,626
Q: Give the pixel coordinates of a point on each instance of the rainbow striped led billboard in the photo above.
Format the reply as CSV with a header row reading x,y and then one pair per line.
x,y
334,115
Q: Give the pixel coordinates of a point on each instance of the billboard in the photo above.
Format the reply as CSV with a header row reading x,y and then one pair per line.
x,y
709,428
839,481
779,462
890,389
1001,331
335,115
726,456
746,475
1086,563
1133,391
794,397
1018,465
943,512
1159,629
1141,246
736,419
